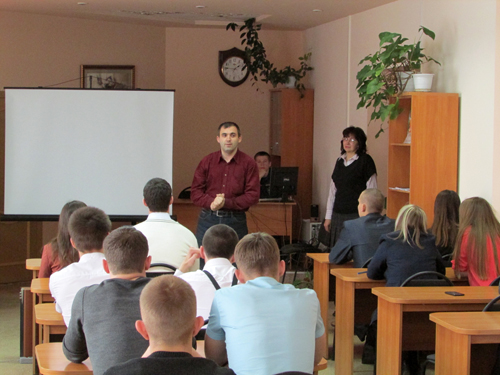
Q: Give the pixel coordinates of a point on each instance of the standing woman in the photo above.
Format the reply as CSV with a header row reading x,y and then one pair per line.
x,y
478,243
354,172
445,225
59,252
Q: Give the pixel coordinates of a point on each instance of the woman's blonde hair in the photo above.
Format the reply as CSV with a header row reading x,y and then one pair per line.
x,y
477,215
412,223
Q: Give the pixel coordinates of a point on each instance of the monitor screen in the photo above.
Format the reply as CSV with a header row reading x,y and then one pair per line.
x,y
284,182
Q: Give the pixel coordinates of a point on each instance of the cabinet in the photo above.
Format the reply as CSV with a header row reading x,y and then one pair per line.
x,y
419,170
291,139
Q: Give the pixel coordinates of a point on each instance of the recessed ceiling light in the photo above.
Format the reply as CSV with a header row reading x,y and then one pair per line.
x,y
200,6
317,10
81,3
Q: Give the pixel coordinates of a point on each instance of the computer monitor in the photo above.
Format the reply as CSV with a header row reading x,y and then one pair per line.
x,y
284,182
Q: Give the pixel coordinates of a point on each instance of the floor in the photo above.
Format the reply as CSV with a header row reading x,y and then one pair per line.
x,y
9,333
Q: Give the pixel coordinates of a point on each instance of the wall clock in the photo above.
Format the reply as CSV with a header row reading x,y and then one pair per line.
x,y
232,67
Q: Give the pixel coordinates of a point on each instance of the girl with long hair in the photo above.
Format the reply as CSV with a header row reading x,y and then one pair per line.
x,y
478,243
59,252
446,217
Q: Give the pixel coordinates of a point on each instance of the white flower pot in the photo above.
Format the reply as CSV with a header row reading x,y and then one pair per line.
x,y
406,77
291,82
423,81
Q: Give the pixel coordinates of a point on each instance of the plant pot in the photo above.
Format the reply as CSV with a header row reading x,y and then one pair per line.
x,y
291,82
406,77
423,81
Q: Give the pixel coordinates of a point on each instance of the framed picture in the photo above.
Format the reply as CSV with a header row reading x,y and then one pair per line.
x,y
108,77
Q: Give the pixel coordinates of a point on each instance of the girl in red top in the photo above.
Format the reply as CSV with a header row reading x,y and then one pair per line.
x,y
58,253
478,243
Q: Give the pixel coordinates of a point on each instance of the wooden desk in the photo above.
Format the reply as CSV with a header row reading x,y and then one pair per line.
x,y
274,218
41,288
322,267
50,320
354,304
412,306
456,332
33,264
51,361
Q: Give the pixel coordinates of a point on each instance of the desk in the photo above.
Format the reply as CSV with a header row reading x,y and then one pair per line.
x,y
50,320
41,288
274,218
456,332
397,305
33,264
355,303
322,267
51,361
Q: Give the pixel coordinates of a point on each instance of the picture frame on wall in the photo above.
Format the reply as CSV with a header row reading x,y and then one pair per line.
x,y
107,77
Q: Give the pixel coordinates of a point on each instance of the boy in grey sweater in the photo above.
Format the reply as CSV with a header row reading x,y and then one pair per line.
x,y
103,316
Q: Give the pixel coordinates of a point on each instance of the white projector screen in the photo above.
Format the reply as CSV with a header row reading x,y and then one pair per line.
x,y
97,146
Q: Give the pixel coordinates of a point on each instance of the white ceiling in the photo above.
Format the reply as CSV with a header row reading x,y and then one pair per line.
x,y
273,14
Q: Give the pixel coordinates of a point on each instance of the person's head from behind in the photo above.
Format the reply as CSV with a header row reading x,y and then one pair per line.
x,y
168,312
219,241
126,251
61,245
412,222
477,217
353,140
88,226
263,160
446,216
370,201
157,195
257,254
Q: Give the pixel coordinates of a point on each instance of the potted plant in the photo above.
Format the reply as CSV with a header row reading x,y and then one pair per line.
x,y
380,82
259,67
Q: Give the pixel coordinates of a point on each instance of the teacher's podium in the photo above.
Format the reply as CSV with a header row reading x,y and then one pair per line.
x,y
274,218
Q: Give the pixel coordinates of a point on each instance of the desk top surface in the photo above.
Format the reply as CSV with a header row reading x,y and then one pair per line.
x,y
45,313
353,275
323,258
51,360
40,286
33,264
436,294
469,323
190,203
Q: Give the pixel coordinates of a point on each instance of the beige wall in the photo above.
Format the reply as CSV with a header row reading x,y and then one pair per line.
x,y
465,45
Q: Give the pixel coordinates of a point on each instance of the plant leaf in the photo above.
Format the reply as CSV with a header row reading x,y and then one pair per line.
x,y
431,34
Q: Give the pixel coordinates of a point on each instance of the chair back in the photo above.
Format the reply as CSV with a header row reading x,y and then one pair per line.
x,y
366,263
162,271
495,282
492,305
427,278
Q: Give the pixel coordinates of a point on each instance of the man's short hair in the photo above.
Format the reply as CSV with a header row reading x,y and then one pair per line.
x,y
126,250
258,253
168,309
219,241
262,153
228,124
88,226
374,200
157,194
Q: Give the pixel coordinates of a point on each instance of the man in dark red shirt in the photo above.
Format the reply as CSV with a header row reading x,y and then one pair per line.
x,y
225,184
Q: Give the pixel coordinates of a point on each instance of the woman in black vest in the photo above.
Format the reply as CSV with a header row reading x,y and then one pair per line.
x,y
354,172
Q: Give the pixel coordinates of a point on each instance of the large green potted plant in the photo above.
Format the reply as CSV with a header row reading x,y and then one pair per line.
x,y
380,79
259,67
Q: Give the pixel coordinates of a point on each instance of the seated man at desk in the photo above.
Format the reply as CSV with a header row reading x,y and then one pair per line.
x,y
263,160
168,241
103,316
261,326
169,322
88,226
359,238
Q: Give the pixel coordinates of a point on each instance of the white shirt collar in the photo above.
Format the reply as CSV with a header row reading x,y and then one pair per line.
x,y
159,216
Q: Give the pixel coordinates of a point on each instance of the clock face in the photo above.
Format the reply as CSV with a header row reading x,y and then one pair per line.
x,y
234,69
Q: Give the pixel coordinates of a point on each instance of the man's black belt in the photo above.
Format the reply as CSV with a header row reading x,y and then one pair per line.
x,y
224,213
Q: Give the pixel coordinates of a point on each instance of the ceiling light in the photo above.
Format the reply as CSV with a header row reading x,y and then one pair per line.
x,y
317,10
200,6
81,3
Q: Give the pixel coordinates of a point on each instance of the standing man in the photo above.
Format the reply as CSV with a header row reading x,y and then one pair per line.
x,y
225,184
263,160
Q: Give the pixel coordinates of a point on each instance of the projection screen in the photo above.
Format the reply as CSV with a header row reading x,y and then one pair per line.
x,y
97,146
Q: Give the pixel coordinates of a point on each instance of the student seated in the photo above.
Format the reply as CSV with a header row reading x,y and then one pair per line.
x,y
360,237
102,325
262,326
169,241
263,160
218,246
446,218
88,226
169,322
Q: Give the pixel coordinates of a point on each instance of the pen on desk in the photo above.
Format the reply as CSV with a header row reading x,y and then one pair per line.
x,y
359,273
